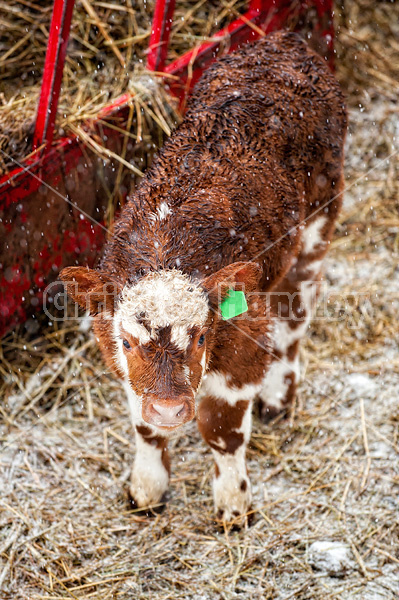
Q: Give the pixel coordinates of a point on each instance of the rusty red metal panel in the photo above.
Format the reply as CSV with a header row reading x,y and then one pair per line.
x,y
189,67
52,74
262,17
325,26
160,31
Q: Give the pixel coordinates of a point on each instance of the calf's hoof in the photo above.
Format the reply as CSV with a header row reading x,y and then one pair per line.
x,y
150,510
232,501
267,413
148,484
233,520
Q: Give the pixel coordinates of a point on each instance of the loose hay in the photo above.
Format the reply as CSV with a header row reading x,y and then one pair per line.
x,y
329,474
107,48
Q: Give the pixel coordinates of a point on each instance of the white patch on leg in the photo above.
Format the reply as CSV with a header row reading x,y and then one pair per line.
x,y
227,493
221,443
311,236
275,384
229,496
314,268
283,335
150,479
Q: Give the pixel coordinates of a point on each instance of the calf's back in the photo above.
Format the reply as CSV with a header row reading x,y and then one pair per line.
x,y
260,149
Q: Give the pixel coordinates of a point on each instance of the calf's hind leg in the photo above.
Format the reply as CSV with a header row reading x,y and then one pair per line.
x,y
292,304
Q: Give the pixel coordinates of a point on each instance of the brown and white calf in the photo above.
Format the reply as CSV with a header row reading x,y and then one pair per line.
x,y
243,196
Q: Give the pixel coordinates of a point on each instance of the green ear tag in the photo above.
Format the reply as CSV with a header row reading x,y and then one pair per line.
x,y
233,305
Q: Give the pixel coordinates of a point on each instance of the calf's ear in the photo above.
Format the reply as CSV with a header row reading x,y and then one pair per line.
x,y
243,276
91,289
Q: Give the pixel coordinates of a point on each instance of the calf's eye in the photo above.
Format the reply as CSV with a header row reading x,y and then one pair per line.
x,y
126,344
201,340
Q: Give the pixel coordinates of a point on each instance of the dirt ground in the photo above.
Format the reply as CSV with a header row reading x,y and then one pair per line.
x,y
328,474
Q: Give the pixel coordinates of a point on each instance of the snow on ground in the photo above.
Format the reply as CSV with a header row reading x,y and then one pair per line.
x,y
334,558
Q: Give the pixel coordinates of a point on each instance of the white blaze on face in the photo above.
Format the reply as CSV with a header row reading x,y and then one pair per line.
x,y
162,299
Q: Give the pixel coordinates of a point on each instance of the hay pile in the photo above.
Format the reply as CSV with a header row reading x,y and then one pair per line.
x,y
105,58
330,474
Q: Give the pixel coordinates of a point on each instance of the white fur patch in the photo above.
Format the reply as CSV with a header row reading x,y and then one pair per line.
x,y
135,328
274,385
283,335
203,363
150,479
167,298
120,355
221,443
134,403
215,384
163,211
180,336
311,236
314,268
228,495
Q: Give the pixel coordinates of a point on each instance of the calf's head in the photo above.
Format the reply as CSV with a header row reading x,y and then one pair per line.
x,y
160,331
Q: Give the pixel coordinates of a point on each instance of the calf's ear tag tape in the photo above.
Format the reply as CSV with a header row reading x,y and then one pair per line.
x,y
233,305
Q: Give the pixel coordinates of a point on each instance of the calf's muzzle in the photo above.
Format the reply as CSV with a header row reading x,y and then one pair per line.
x,y
168,413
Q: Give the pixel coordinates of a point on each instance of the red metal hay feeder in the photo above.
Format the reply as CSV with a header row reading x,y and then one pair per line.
x,y
50,212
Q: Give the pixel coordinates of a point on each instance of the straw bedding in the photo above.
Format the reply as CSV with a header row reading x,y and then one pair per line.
x,y
106,54
328,474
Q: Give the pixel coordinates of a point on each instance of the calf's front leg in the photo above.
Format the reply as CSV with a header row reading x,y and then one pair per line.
x,y
151,466
226,427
